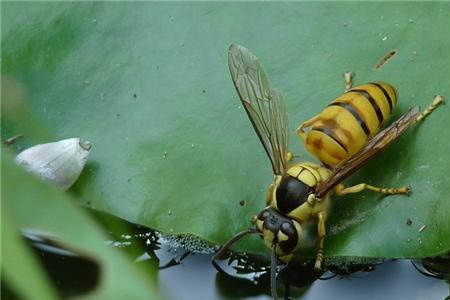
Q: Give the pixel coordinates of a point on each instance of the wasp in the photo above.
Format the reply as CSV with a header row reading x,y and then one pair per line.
x,y
343,137
346,125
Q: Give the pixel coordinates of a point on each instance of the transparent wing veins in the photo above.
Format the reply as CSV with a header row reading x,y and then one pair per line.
x,y
264,106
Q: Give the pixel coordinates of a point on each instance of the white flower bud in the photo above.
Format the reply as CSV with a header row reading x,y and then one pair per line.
x,y
59,163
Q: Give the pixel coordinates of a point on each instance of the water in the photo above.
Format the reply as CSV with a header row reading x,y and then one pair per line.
x,y
186,273
195,278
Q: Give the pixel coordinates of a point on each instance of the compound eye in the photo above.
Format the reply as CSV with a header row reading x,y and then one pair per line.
x,y
290,244
289,230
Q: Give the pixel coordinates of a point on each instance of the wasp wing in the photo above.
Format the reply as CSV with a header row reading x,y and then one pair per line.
x,y
375,145
264,106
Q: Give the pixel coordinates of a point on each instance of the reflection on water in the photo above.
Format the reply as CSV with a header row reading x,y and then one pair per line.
x,y
185,275
196,279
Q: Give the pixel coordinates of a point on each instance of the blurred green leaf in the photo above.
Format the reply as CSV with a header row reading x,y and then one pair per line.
x,y
20,269
148,85
33,204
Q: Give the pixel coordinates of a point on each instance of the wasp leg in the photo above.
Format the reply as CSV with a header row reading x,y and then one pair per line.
x,y
348,80
305,124
321,230
289,156
341,190
436,101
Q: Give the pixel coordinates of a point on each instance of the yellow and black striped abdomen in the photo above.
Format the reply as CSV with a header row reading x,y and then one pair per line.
x,y
346,125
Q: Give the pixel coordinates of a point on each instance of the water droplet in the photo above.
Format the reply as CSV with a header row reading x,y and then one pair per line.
x,y
192,146
94,20
411,21
169,212
165,154
385,38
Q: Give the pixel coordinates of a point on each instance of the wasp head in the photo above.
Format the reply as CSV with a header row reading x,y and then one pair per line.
x,y
279,230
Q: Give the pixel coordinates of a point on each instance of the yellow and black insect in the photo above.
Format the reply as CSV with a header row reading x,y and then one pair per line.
x,y
343,137
346,125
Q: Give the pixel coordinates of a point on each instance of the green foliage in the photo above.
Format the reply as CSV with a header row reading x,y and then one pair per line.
x,y
148,85
20,270
29,203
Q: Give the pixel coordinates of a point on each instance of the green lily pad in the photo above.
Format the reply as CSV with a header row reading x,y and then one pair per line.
x,y
148,85
29,203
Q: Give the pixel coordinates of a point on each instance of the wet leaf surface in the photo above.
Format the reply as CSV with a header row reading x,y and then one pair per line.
x,y
148,85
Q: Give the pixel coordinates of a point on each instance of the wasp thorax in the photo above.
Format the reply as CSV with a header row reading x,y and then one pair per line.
x,y
280,230
291,193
